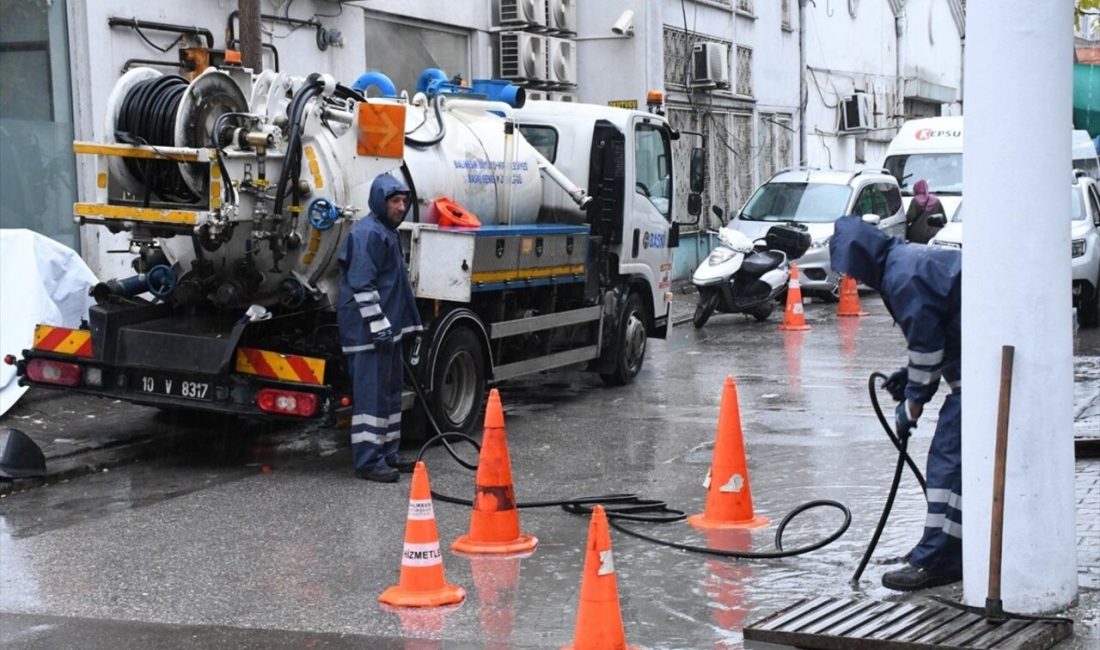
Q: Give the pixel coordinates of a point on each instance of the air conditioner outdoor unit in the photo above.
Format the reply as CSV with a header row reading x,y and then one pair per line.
x,y
561,97
522,12
522,56
854,113
710,65
536,95
562,62
561,16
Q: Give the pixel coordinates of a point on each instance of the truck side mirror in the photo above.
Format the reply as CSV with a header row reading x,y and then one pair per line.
x,y
698,169
695,207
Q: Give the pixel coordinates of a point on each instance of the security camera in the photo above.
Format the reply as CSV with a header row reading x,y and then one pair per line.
x,y
624,26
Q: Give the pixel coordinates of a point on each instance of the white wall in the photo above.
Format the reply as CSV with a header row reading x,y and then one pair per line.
x,y
846,53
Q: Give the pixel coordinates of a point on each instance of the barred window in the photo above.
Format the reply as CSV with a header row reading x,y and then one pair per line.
x,y
745,6
678,44
744,71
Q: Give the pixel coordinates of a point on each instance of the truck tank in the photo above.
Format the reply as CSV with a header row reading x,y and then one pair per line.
x,y
241,253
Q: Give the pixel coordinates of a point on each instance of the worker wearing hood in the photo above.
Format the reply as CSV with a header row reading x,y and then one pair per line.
x,y
921,286
375,310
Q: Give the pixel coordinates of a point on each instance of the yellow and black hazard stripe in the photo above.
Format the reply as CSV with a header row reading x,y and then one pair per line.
x,y
63,340
284,367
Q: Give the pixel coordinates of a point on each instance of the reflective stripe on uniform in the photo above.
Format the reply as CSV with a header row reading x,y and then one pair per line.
x,y
925,358
379,325
923,377
374,421
941,522
370,310
366,296
375,438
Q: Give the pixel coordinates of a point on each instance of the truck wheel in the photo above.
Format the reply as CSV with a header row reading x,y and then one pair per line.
x,y
458,386
631,344
1088,311
708,300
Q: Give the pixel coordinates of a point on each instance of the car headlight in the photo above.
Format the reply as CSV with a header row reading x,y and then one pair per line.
x,y
820,243
719,256
1079,247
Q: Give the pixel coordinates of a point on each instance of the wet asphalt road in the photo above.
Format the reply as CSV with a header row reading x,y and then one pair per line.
x,y
259,537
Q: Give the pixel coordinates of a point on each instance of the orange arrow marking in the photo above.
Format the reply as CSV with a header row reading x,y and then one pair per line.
x,y
381,130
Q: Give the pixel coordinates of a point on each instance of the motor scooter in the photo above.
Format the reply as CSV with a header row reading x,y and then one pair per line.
x,y
742,276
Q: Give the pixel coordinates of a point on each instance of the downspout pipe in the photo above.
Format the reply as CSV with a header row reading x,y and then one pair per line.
x,y
802,83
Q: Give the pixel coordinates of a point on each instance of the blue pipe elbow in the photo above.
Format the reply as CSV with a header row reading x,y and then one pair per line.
x,y
429,81
499,90
377,80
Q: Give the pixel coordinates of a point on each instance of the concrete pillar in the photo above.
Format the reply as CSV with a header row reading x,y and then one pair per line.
x,y
1016,291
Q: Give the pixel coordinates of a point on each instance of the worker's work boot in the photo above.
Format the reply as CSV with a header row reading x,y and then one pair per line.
x,y
912,578
402,466
381,473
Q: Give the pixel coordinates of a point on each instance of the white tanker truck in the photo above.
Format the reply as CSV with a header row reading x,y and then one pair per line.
x,y
236,190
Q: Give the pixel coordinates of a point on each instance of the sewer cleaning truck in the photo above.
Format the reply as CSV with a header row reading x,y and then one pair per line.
x,y
235,191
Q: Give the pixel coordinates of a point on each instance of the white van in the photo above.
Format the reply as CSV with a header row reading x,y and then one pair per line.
x,y
1084,154
930,149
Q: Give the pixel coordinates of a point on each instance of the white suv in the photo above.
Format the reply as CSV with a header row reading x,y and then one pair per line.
x,y
817,198
1085,246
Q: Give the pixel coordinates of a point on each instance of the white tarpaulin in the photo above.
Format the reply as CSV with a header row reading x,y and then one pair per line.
x,y
41,281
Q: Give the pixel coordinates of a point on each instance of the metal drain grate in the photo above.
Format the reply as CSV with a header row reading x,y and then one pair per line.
x,y
844,624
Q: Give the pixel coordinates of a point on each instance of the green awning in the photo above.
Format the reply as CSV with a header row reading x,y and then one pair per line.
x,y
1086,98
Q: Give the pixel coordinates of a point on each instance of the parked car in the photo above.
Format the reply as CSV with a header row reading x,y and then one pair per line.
x,y
1085,246
816,198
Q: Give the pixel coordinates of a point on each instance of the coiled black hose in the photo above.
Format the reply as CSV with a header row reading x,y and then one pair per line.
x,y
147,116
628,507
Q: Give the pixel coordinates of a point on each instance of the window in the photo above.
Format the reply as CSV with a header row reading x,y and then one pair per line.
x,y
744,6
893,197
943,171
543,138
652,173
744,71
785,8
1095,196
802,202
422,46
871,201
38,182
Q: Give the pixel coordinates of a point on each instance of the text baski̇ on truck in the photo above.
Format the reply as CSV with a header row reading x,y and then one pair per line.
x,y
236,190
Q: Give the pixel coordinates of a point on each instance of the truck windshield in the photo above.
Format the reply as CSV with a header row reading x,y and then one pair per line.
x,y
943,171
652,174
806,202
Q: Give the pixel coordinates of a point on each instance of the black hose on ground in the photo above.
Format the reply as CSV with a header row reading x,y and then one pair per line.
x,y
626,507
902,445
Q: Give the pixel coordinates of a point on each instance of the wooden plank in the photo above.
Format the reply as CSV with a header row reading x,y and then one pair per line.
x,y
951,629
943,616
1003,633
1038,635
855,609
796,610
878,610
915,618
812,618
900,611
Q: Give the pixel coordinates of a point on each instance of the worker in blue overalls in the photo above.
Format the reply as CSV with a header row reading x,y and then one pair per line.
x,y
921,286
375,309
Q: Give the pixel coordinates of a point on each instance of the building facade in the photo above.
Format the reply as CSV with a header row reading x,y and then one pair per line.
x,y
761,84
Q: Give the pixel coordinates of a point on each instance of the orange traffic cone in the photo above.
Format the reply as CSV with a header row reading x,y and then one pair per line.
x,y
794,318
599,619
494,521
729,497
422,582
849,298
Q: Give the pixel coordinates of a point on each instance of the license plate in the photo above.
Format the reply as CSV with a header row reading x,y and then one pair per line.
x,y
174,387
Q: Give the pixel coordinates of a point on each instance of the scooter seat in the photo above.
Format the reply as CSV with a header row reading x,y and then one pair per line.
x,y
761,262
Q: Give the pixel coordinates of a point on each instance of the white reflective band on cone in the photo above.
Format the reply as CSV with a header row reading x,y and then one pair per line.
x,y
421,510
421,555
734,485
